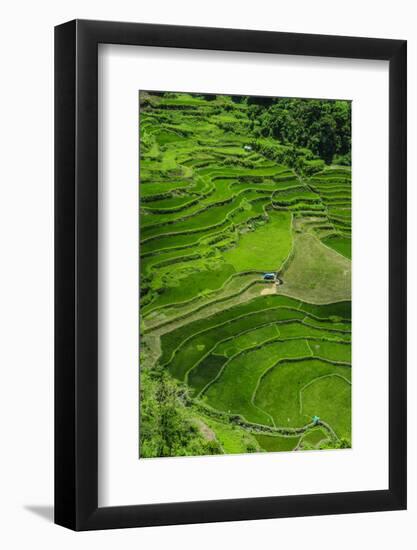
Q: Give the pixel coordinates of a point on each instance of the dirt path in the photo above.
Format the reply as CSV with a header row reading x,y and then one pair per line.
x,y
206,431
272,289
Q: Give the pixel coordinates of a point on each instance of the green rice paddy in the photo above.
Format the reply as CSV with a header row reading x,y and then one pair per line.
x,y
254,360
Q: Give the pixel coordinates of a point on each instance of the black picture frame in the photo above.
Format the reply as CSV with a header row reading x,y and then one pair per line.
x,y
76,272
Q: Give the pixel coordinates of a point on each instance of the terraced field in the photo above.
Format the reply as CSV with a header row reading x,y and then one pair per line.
x,y
257,362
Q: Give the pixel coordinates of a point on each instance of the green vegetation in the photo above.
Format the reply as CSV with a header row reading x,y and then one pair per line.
x,y
316,273
244,370
329,397
289,380
167,427
277,443
257,244
323,127
232,438
313,438
342,245
232,188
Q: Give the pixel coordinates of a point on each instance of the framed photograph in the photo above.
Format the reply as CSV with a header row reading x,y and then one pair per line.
x,y
230,275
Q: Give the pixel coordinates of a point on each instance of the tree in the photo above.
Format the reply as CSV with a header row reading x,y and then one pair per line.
x,y
167,427
322,126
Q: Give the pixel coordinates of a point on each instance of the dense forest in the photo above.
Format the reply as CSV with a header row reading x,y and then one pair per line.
x,y
323,127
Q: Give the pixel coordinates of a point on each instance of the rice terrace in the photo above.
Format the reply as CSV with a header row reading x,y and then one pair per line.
x,y
245,274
